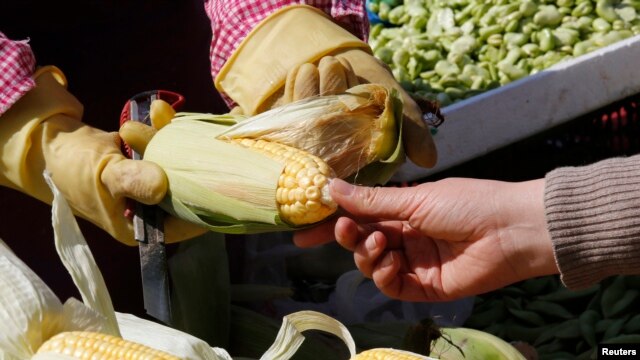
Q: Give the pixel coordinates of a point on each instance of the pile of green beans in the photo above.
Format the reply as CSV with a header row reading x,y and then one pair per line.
x,y
561,323
450,50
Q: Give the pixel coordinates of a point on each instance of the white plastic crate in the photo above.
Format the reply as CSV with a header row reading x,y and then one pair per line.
x,y
489,121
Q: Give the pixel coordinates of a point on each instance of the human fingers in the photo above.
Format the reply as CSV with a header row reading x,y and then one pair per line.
x,y
301,82
368,252
148,184
349,232
393,280
161,113
375,202
343,229
418,143
318,235
142,181
333,77
137,135
349,72
145,182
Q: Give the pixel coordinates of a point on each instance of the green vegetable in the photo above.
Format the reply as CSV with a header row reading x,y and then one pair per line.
x,y
434,40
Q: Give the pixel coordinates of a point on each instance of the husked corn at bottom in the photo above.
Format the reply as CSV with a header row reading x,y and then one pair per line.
x,y
387,354
92,345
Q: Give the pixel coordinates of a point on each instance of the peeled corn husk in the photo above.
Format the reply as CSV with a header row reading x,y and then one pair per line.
x,y
226,188
31,314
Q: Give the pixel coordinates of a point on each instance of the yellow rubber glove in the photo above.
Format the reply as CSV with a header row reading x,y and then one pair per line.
x,y
42,131
298,52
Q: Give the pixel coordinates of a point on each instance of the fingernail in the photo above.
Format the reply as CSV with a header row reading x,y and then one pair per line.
x,y
371,242
341,187
387,261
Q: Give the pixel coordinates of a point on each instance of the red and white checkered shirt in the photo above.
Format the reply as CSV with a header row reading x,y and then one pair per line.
x,y
232,20
17,64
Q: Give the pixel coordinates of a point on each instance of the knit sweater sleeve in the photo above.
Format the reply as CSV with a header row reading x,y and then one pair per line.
x,y
593,216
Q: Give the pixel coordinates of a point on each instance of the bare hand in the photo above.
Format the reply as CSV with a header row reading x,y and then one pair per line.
x,y
444,240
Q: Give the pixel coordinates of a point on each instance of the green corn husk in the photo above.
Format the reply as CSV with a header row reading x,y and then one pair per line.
x,y
230,189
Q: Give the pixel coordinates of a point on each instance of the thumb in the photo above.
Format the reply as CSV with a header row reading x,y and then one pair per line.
x,y
374,202
139,180
160,113
137,135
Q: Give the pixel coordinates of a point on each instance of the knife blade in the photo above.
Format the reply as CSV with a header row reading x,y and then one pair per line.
x,y
148,227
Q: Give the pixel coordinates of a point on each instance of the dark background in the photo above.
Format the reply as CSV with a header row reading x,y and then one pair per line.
x,y
111,51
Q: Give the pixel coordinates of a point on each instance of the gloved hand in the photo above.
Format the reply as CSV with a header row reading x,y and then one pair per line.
x,y
43,131
298,52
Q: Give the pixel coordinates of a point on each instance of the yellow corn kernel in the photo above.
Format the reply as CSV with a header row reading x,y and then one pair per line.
x,y
92,345
302,195
388,354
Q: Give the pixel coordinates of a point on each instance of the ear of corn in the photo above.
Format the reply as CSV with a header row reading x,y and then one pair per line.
x,y
270,172
388,354
302,195
91,345
239,186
